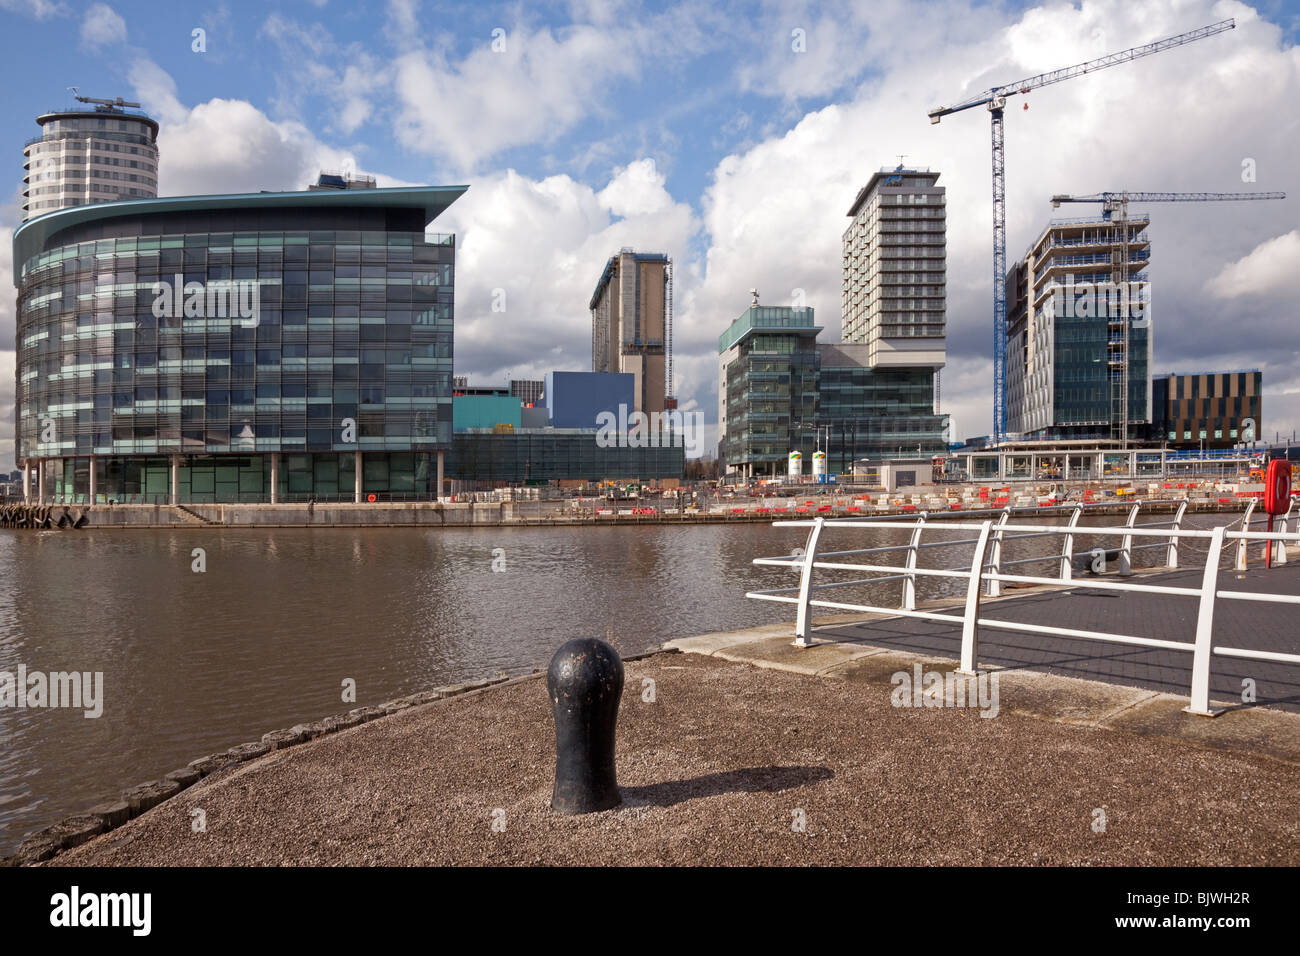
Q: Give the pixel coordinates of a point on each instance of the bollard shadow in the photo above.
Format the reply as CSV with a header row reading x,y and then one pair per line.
x,y
748,780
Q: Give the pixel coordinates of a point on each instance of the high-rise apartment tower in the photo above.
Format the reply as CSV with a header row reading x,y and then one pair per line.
x,y
100,154
629,323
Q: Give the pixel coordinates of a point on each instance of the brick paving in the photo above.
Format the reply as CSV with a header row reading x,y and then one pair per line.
x,y
1240,624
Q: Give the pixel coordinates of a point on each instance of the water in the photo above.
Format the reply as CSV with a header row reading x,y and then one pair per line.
x,y
194,663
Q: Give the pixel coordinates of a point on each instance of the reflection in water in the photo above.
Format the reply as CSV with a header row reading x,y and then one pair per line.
x,y
194,663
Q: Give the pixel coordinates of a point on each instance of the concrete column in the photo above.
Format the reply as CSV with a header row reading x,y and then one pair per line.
x,y
27,482
356,481
59,482
275,477
94,485
1065,469
176,479
441,455
40,481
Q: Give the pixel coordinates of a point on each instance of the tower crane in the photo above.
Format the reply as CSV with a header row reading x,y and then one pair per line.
x,y
1118,337
996,100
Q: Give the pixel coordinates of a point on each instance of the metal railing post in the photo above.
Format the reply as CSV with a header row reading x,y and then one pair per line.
x,y
1279,547
970,620
1067,553
1279,554
995,586
1200,697
1126,546
909,582
804,623
1171,553
1240,564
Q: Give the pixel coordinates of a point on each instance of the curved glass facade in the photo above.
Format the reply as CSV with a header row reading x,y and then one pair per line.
x,y
343,345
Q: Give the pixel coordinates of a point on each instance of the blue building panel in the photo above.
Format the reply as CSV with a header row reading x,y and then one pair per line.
x,y
485,411
575,399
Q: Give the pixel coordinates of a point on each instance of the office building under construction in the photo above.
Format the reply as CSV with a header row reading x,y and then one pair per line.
x,y
1079,333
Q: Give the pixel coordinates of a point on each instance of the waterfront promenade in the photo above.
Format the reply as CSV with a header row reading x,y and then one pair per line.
x,y
737,748
1254,625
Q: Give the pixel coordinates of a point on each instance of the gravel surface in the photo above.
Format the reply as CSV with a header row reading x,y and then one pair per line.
x,y
713,772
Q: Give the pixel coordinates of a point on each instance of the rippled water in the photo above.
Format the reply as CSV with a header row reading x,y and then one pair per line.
x,y
194,663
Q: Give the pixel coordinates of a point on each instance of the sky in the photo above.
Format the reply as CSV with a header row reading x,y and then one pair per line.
x,y
731,136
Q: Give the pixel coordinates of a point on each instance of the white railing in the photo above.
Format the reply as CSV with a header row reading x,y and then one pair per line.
x,y
986,565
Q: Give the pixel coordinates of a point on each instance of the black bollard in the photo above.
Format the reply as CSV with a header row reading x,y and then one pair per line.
x,y
585,682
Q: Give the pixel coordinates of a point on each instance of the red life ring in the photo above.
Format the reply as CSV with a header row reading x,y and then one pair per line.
x,y
371,498
1277,486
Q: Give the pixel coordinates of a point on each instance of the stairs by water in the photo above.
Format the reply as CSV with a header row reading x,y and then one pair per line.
x,y
191,517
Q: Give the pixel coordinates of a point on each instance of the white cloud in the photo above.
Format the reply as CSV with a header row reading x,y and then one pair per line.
x,y
1270,269
39,9
230,146
525,86
636,190
155,88
225,146
535,88
101,27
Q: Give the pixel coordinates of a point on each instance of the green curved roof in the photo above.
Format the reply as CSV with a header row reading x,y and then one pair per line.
x,y
31,236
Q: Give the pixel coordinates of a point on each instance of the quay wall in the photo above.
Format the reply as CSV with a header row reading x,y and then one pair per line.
x,y
511,514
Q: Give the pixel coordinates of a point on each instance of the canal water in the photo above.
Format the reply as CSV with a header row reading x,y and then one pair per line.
x,y
265,637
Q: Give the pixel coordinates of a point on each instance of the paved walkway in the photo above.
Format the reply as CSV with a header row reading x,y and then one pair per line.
x,y
1241,624
732,764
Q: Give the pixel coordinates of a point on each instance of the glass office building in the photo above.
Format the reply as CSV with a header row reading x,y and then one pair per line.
x,y
767,387
255,347
780,390
875,413
537,455
1079,341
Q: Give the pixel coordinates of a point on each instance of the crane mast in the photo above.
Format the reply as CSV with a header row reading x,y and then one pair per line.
x,y
996,100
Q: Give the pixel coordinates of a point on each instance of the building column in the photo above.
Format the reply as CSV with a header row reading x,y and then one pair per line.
x,y
94,485
1065,469
176,479
27,481
438,495
356,479
275,477
40,481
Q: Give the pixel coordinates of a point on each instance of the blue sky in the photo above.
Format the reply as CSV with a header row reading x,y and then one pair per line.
x,y
732,136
